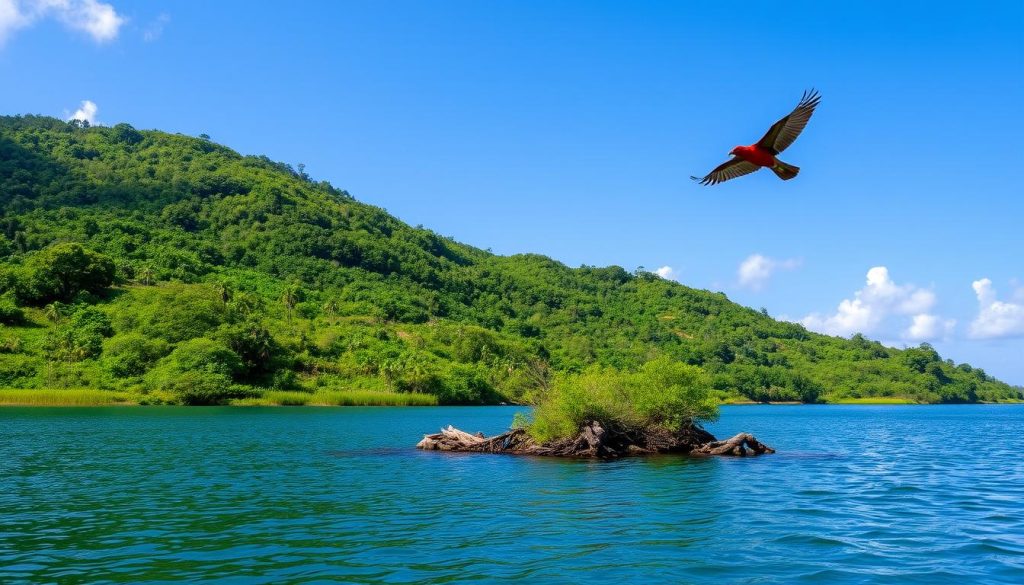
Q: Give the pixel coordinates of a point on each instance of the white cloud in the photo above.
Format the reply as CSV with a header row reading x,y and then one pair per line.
x,y
995,318
925,327
756,270
100,20
155,29
878,300
97,19
667,272
86,112
11,18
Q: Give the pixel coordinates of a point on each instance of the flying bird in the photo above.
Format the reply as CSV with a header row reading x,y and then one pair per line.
x,y
764,152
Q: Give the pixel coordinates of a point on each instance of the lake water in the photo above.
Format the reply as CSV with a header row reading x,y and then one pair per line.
x,y
856,494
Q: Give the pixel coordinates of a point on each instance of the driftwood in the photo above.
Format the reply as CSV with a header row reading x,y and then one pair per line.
x,y
597,442
742,444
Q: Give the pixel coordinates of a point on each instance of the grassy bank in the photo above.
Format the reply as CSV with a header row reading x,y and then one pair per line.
x,y
63,397
93,397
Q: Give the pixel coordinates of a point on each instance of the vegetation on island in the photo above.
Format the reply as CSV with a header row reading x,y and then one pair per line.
x,y
663,394
161,268
606,414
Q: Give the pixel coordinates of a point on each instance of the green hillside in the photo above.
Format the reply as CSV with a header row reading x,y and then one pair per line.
x,y
168,268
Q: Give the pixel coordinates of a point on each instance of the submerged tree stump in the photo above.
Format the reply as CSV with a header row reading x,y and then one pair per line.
x,y
595,441
741,444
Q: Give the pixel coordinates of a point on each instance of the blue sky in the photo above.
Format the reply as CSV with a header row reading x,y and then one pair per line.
x,y
571,128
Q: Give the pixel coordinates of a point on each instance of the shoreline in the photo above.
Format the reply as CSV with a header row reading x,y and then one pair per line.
x,y
89,398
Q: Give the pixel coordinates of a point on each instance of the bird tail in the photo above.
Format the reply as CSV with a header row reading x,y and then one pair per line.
x,y
785,171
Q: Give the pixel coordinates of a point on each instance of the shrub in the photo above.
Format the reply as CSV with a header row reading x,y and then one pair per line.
x,y
91,319
81,337
284,380
132,354
465,384
203,388
662,393
179,312
12,281
67,345
204,355
18,369
10,313
10,345
254,344
198,371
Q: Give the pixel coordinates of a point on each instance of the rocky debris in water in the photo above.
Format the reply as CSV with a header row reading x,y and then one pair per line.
x,y
596,441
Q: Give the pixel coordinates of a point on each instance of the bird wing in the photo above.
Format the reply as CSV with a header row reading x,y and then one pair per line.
x,y
785,131
730,169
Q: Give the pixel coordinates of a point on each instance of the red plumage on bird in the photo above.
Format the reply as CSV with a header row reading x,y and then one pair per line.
x,y
764,153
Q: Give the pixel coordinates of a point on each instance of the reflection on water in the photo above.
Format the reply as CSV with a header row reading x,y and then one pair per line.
x,y
855,495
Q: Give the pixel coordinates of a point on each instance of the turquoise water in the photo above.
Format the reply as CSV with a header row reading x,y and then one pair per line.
x,y
856,494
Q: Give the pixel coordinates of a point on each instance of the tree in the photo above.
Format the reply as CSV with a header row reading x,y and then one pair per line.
x,y
54,312
198,371
204,355
254,345
10,313
245,305
60,272
80,338
224,292
146,275
132,354
125,134
291,297
416,372
390,370
330,308
177,312
20,242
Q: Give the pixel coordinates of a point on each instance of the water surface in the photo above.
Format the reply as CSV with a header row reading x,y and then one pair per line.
x,y
856,494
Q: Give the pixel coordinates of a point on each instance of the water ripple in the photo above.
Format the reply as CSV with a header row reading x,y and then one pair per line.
x,y
855,495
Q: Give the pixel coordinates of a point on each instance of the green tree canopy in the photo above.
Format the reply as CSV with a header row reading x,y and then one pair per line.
x,y
60,272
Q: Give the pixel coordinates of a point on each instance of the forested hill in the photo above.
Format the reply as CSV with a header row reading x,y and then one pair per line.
x,y
176,269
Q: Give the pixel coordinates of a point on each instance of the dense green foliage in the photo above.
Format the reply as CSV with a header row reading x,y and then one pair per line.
x,y
662,393
177,270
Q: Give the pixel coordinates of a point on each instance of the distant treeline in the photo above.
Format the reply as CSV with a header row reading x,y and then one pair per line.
x,y
173,269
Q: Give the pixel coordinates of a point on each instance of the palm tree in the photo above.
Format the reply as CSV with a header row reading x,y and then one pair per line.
x,y
224,292
391,369
291,297
260,341
331,308
146,275
53,313
418,374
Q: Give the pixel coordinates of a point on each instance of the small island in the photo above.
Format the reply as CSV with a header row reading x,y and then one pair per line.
x,y
607,414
